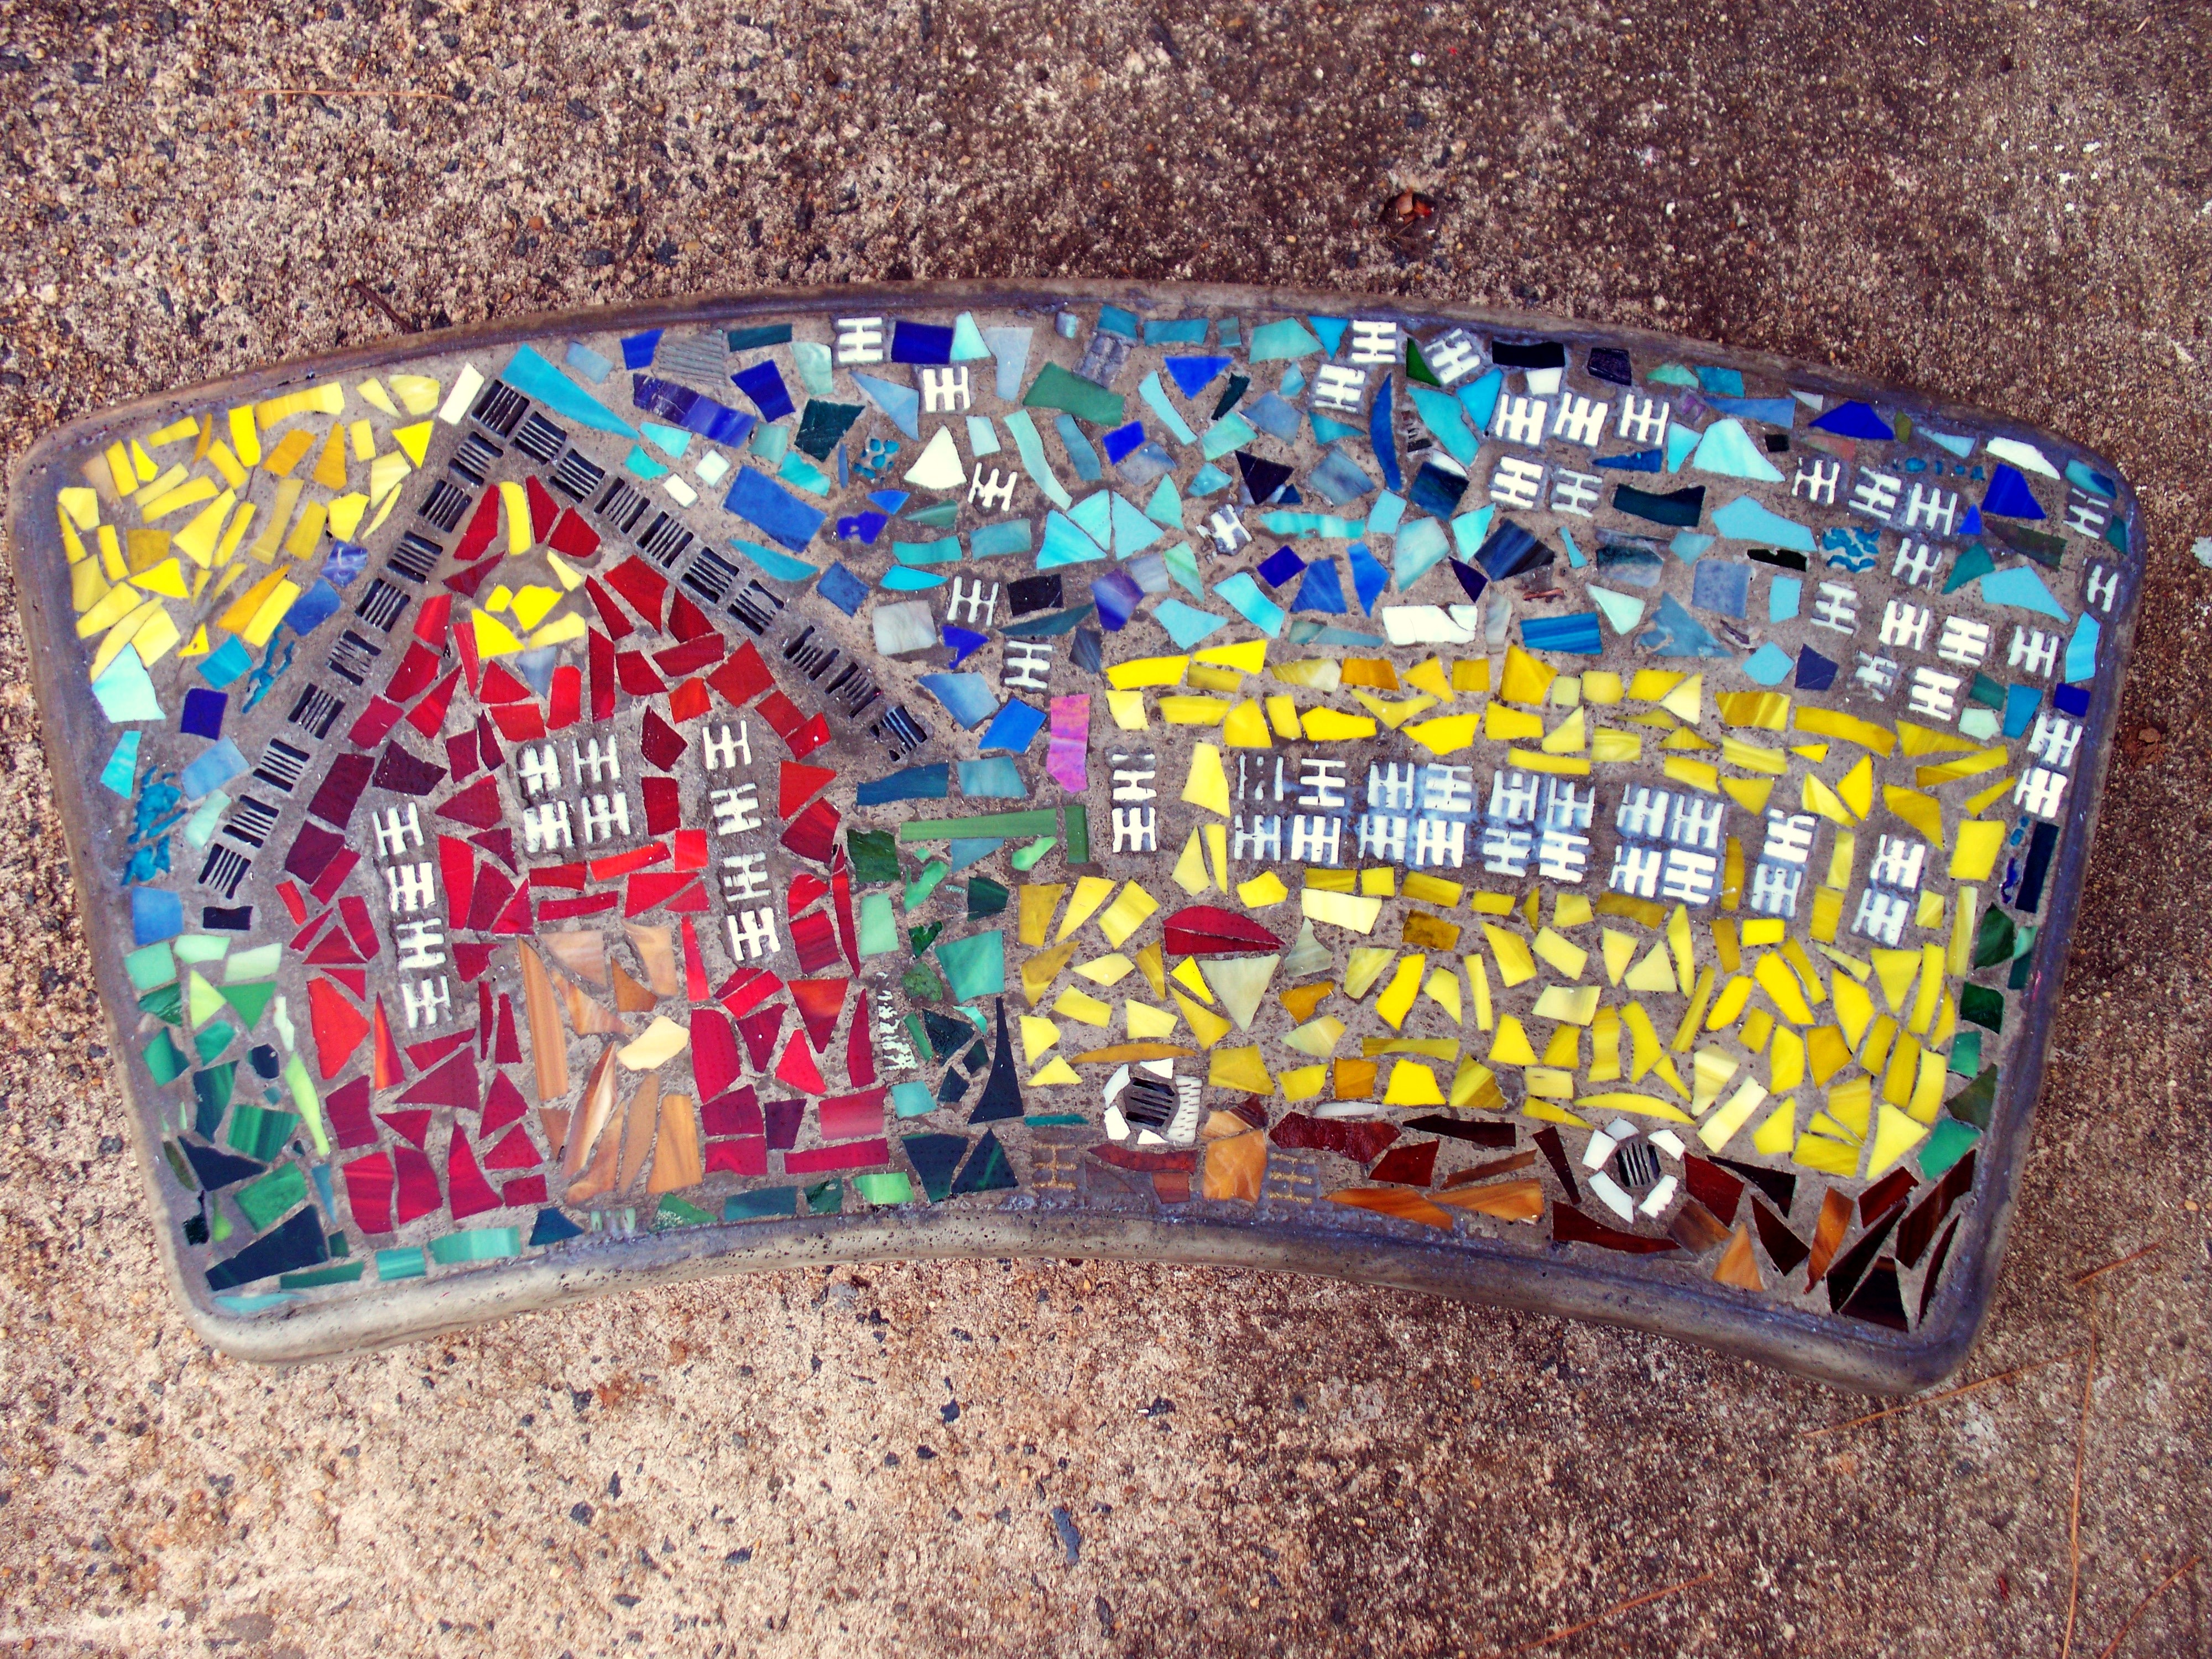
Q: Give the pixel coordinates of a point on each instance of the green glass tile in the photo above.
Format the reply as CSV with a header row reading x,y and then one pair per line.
x,y
258,1133
1946,1145
875,856
250,1000
675,1213
1984,1004
1973,1103
761,1204
208,947
165,1002
406,1263
1994,938
211,1040
211,1097
921,985
825,1198
476,1244
1078,832
151,965
974,966
266,1201
1966,1054
1056,1120
1055,387
1005,826
1029,857
878,924
179,1166
337,1272
913,1099
919,889
162,1058
985,897
885,1186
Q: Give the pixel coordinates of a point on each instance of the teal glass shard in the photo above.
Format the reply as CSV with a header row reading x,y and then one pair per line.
x,y
1442,415
1728,449
1769,666
1421,546
2019,586
1055,387
476,1244
1186,624
1224,437
1746,520
1081,455
990,541
1241,593
266,1201
1156,399
405,1262
1274,342
531,375
900,404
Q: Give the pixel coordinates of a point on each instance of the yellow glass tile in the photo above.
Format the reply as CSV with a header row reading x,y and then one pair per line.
x,y
1509,1046
1927,1087
1562,953
1109,970
1375,672
1345,910
387,473
1445,736
1960,959
142,464
1516,966
345,514
1525,680
1534,760
1841,857
1263,890
291,448
1305,1083
1566,692
1697,774
1619,949
79,506
1718,1129
1041,970
1127,708
1570,737
323,397
1834,723
1193,711
1930,991
414,441
1208,1027
1316,1038
1775,1135
1217,852
1882,1037
1964,766
1766,711
1334,725
1551,1082
1701,997
307,532
1600,687
1782,989
1206,785
245,436
1504,725
1903,1067
1332,881
1055,1071
1315,673
1725,946
1485,903
1363,966
1634,1104
362,436
1651,684
1355,1080
1923,812
1126,914
1037,1035
1827,1156
1430,676
1478,980
494,637
167,579
88,585
1081,1006
1427,889
1034,907
1474,1088
1996,792
1682,740
1895,971
1246,657
198,539
1395,999
1609,746
1918,740
108,609
1975,852
1686,701
1241,1069
1574,1004
1187,975
265,544
1441,988
1753,756
1380,880
1151,962
152,491
418,393
1654,975
1927,911
371,393
1140,673
1282,715
1430,932
1204,679
1764,930
1758,1026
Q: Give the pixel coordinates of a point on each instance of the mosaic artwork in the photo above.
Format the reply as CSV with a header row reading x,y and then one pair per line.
x,y
1395,782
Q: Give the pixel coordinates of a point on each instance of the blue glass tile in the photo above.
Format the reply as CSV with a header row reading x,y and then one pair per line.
x,y
201,718
312,608
1272,416
765,504
1718,585
213,769
994,778
156,915
1815,671
1117,597
1576,634
589,362
1855,420
962,642
1640,460
1280,567
2071,700
921,342
1383,439
756,337
637,350
1369,579
842,589
1675,633
764,384
1437,489
1339,479
1727,382
1782,598
1208,480
1012,731
1186,624
2008,496
1081,455
1122,440
1184,330
966,697
1422,545
900,404
1322,590
1768,666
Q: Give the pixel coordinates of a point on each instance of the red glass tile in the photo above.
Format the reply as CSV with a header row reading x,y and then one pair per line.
x,y
819,1001
661,743
813,834
842,1117
519,722
601,651
484,525
809,737
368,1192
644,588
742,676
374,723
572,537
689,700
418,1185
746,1156
471,1192
798,1066
860,1046
433,622
853,1155
714,1052
686,621
619,626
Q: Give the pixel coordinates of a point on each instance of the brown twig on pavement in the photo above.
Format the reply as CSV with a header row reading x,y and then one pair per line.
x,y
379,302
2074,1517
1937,1399
2132,1256
1558,1636
2141,1607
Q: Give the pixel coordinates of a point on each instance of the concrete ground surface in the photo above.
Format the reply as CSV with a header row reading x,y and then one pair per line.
x,y
2006,201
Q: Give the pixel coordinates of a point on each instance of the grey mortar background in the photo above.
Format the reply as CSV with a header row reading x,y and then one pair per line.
x,y
2009,202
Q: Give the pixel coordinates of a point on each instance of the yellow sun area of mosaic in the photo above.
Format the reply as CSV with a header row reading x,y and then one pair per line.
x,y
1346,769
